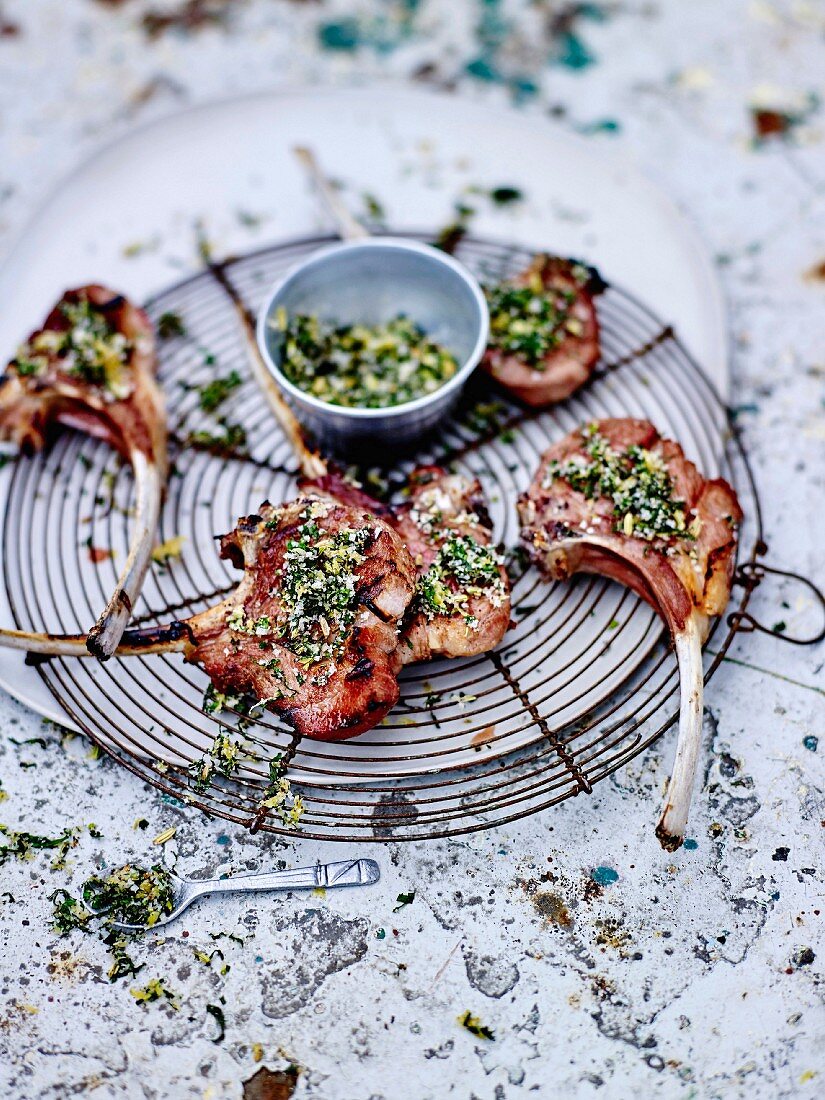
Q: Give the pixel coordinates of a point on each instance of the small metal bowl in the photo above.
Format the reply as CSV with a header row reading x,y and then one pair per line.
x,y
371,281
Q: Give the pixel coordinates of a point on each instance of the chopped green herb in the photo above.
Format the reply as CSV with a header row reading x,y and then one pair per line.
x,y
22,845
41,741
217,1013
532,320
506,196
318,589
462,568
170,324
451,236
228,936
404,899
68,913
123,965
362,366
474,1025
230,442
636,480
215,701
155,990
224,756
207,957
133,895
485,416
89,349
279,796
213,394
376,215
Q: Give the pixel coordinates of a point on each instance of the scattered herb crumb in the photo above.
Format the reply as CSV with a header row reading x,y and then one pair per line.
x,y
217,1013
474,1025
280,797
213,394
171,548
170,324
22,845
155,990
230,442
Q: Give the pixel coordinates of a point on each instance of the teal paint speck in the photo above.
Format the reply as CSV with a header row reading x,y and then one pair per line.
x,y
691,844
574,54
601,126
345,35
523,88
811,743
223,839
482,69
604,876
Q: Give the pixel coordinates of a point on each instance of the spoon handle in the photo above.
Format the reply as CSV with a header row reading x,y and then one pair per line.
x,y
349,227
350,872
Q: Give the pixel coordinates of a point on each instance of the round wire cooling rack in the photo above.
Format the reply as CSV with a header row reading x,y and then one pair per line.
x,y
581,684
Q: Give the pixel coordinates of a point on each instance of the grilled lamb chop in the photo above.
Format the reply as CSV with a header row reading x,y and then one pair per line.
x,y
462,602
92,367
617,500
463,592
544,333
312,630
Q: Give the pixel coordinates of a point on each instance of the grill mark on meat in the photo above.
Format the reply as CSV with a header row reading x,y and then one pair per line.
x,y
363,668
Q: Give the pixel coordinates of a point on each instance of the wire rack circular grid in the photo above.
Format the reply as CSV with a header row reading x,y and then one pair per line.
x,y
581,684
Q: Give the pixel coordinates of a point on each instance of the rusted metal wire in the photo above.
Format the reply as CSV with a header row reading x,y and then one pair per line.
x,y
582,684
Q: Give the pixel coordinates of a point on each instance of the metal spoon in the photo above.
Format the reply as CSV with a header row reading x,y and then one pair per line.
x,y
350,872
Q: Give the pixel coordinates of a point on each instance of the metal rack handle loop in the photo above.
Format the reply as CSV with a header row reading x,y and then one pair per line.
x,y
750,575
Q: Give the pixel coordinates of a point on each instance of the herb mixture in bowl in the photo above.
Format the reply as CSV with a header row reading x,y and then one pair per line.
x,y
362,366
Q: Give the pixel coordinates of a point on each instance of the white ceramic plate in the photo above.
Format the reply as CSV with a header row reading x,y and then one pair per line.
x,y
127,216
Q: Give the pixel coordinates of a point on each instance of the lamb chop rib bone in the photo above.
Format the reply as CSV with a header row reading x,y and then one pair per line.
x,y
674,547
120,403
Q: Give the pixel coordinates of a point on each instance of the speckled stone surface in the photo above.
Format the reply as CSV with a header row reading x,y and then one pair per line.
x,y
601,965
